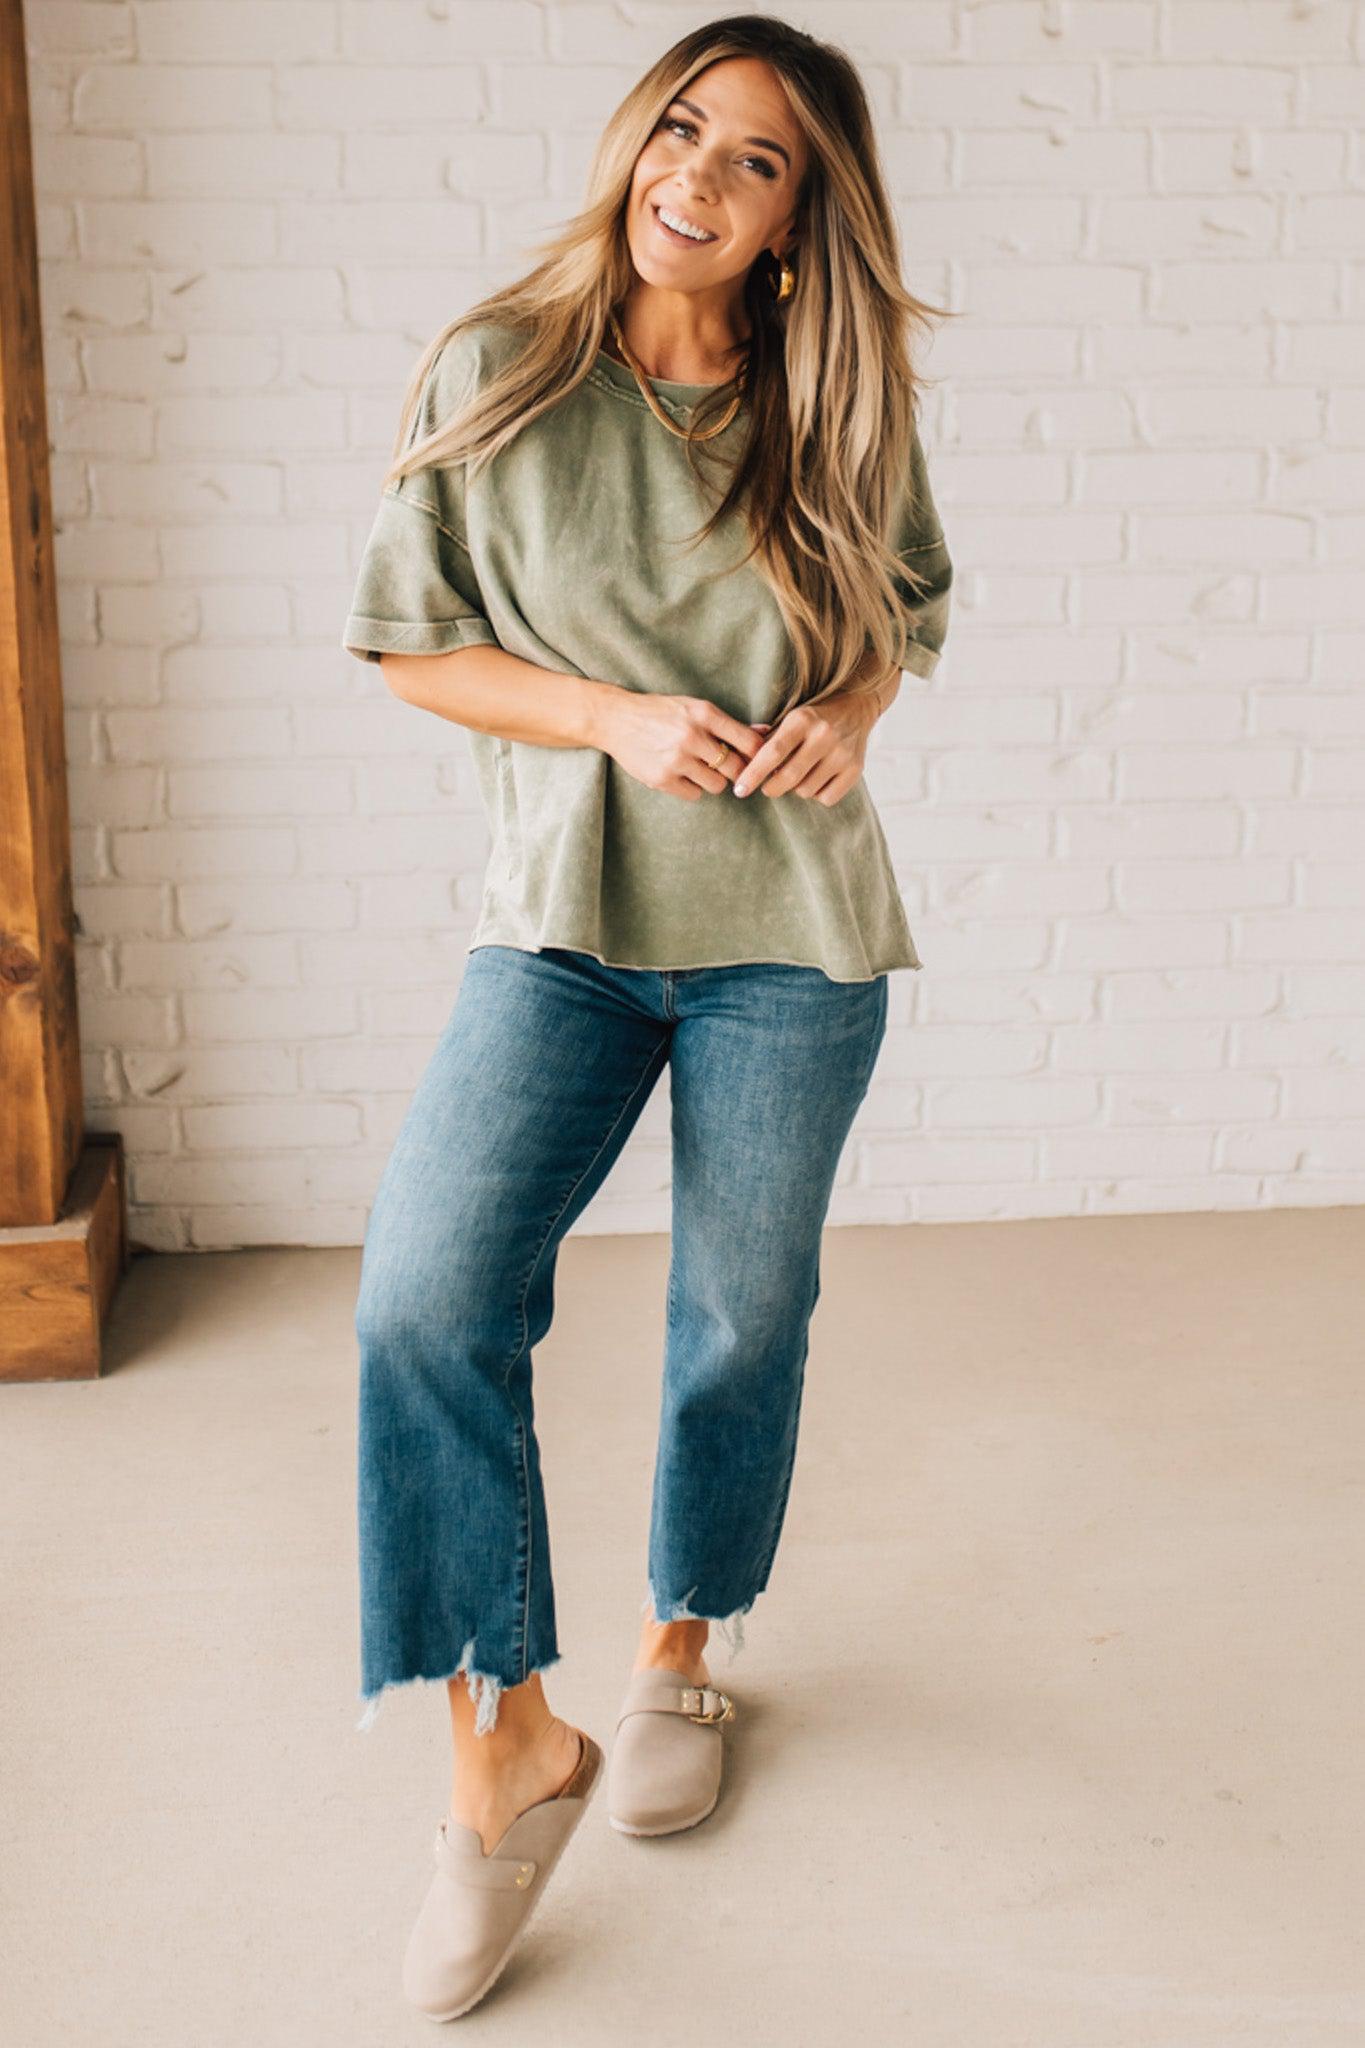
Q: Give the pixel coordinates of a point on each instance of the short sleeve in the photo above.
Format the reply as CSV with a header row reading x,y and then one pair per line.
x,y
417,590
918,538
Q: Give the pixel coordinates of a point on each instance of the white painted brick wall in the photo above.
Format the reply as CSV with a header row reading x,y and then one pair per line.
x,y
1126,814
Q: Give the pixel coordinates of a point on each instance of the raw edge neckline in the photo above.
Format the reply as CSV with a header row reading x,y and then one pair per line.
x,y
623,376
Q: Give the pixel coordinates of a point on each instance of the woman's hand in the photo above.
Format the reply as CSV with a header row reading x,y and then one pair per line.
x,y
670,743
817,750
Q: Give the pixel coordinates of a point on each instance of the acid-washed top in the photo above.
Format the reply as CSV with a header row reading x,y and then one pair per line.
x,y
564,551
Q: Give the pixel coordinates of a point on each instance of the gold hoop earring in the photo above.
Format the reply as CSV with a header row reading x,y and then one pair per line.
x,y
785,282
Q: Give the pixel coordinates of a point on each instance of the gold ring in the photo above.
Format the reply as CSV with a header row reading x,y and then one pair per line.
x,y
725,748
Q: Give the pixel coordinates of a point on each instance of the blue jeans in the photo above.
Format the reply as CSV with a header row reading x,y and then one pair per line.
x,y
536,1083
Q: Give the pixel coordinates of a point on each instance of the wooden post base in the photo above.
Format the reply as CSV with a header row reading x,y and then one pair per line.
x,y
58,1279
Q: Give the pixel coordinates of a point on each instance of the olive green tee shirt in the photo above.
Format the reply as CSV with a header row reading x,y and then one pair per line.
x,y
566,552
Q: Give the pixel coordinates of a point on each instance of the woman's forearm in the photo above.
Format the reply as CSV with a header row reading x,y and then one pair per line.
x,y
874,698
492,691
886,692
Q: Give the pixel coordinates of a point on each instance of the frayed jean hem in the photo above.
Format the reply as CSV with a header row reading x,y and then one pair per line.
x,y
731,1625
485,1689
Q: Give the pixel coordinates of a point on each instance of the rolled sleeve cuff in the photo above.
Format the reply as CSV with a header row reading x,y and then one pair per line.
x,y
367,639
920,661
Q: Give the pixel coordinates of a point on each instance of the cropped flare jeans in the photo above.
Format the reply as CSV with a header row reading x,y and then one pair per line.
x,y
538,1079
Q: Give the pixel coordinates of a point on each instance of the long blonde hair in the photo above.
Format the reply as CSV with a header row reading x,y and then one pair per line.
x,y
824,471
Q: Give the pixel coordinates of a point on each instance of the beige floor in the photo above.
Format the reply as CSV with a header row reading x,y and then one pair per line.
x,y
1049,1723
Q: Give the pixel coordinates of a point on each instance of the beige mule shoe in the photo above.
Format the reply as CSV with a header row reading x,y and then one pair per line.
x,y
667,1758
477,1906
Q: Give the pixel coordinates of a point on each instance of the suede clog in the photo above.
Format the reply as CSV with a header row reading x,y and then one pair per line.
x,y
668,1755
478,1904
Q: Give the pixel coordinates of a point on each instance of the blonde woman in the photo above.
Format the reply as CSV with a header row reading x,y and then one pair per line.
x,y
658,534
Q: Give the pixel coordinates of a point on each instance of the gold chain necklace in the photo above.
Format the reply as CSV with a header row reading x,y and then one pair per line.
x,y
652,402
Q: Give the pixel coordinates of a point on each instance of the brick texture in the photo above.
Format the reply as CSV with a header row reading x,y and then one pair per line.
x,y
1126,812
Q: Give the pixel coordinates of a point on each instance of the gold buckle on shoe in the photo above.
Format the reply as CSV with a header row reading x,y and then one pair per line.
x,y
727,1712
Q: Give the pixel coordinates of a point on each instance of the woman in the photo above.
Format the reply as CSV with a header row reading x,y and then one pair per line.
x,y
658,533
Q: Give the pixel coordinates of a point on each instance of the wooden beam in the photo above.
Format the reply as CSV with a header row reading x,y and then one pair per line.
x,y
43,1214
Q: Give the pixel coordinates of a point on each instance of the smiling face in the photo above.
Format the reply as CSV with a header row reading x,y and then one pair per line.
x,y
726,161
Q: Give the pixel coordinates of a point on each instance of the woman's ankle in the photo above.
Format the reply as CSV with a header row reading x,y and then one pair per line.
x,y
488,1793
672,1645
521,1714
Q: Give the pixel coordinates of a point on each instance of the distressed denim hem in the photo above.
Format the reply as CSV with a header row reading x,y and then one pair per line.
x,y
485,1689
731,1625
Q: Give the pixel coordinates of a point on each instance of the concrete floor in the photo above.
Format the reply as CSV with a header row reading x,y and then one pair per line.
x,y
1049,1725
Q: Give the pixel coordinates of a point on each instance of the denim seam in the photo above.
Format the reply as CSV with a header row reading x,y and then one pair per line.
x,y
668,1340
785,1494
881,1034
526,1542
659,1055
